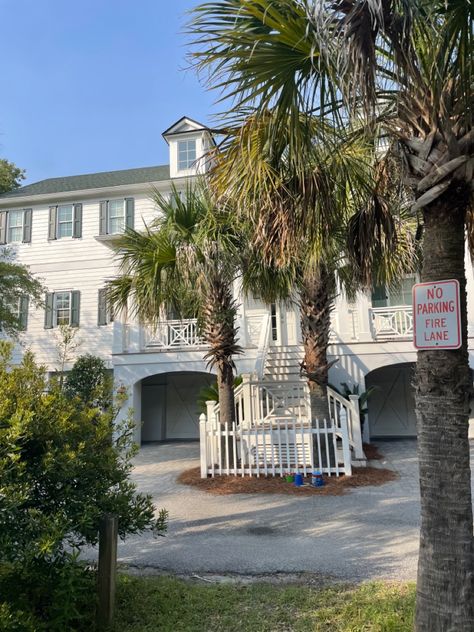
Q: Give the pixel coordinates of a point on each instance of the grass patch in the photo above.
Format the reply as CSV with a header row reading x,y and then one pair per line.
x,y
149,604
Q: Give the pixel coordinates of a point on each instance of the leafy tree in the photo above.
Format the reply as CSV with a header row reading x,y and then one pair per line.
x,y
10,176
90,381
406,69
187,260
16,283
62,466
67,343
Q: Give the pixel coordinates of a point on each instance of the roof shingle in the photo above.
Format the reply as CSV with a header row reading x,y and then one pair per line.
x,y
92,181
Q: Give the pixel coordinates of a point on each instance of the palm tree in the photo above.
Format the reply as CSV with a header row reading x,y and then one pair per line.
x,y
307,261
407,68
186,260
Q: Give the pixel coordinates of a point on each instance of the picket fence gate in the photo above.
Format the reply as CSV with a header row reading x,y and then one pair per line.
x,y
274,446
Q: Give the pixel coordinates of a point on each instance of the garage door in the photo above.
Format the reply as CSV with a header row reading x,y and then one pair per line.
x,y
169,405
392,404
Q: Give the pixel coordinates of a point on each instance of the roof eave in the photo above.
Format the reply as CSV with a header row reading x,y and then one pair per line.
x,y
80,194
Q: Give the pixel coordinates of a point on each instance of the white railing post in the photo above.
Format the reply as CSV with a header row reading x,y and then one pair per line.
x,y
203,444
346,451
263,344
247,399
356,430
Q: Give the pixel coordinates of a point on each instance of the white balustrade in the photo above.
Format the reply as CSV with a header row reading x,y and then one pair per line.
x,y
175,334
392,322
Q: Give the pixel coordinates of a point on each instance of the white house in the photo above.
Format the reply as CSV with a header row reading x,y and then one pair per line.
x,y
62,229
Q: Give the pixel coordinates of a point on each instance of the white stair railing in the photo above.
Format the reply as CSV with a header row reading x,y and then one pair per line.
x,y
340,409
263,344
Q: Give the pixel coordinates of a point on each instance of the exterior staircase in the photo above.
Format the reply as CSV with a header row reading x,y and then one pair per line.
x,y
283,364
281,375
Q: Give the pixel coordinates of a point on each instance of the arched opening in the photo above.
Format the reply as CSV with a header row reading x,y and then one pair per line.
x,y
169,409
391,405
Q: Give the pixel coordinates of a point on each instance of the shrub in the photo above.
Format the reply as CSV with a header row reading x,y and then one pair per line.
x,y
90,381
62,466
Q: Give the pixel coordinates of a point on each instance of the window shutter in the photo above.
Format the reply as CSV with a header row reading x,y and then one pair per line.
x,y
53,212
103,218
129,212
379,296
48,311
75,307
77,227
23,316
27,219
102,307
3,227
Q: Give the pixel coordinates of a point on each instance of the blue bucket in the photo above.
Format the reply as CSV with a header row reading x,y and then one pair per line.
x,y
317,479
298,480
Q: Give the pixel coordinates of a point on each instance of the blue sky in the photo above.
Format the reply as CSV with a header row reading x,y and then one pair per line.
x,y
90,85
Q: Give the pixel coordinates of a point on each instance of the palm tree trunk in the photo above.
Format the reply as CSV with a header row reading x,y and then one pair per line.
x,y
221,335
443,385
316,303
225,385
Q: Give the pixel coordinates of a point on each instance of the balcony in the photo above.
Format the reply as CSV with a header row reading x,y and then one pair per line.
x,y
173,335
392,323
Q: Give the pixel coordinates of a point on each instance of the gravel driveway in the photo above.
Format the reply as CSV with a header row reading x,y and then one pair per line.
x,y
371,532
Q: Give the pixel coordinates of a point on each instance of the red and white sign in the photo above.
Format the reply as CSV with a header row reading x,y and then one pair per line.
x,y
437,315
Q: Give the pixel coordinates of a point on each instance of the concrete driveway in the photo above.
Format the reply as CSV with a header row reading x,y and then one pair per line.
x,y
371,532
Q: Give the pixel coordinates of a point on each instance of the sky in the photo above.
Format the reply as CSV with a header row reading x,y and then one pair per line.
x,y
90,85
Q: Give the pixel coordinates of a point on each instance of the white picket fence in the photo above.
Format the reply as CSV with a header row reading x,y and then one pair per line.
x,y
273,447
273,433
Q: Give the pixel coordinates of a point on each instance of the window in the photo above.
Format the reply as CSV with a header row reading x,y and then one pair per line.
x,y
15,226
396,296
62,308
105,314
116,218
186,154
116,215
65,220
19,309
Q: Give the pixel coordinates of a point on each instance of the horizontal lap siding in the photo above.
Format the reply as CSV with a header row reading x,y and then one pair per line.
x,y
82,264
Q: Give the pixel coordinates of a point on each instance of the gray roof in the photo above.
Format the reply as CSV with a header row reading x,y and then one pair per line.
x,y
92,181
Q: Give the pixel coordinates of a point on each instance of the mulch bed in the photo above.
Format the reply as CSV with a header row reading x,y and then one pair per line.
x,y
333,485
372,452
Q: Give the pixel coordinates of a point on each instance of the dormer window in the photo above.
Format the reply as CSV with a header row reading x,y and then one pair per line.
x,y
186,154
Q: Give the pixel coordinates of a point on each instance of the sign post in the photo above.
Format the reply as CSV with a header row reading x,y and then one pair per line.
x,y
437,315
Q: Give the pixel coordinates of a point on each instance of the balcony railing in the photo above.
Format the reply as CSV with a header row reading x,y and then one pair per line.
x,y
175,334
392,322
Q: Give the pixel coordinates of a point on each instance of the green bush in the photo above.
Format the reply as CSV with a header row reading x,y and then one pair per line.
x,y
62,466
90,381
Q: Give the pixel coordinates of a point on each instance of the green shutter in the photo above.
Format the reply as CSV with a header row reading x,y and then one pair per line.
x,y
77,226
75,308
379,296
53,212
48,310
3,227
27,219
102,307
129,212
103,218
23,316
